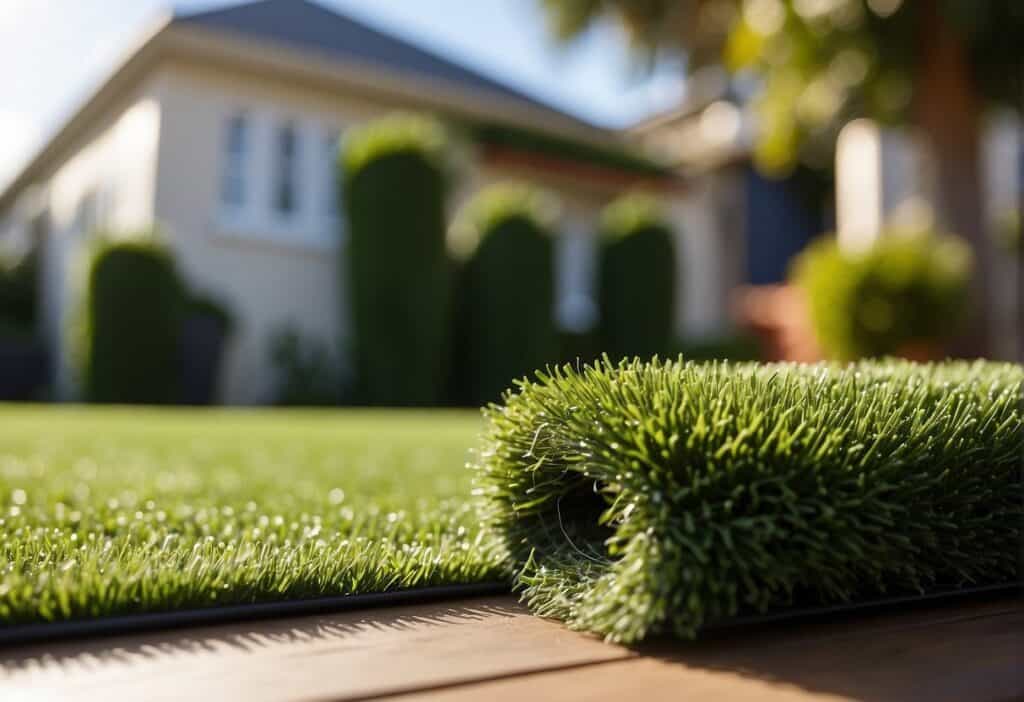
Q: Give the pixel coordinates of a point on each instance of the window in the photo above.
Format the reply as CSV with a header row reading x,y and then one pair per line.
x,y
236,148
286,169
332,191
87,217
576,261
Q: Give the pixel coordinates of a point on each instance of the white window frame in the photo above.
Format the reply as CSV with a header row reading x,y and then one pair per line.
x,y
286,170
576,274
308,226
331,186
235,167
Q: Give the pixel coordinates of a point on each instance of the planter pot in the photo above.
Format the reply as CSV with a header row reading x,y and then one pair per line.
x,y
24,369
921,351
202,347
777,316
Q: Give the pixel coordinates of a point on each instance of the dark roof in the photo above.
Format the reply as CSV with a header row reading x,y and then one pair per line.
x,y
307,25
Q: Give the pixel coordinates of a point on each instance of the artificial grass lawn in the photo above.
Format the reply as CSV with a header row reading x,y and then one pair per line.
x,y
626,500
662,497
122,510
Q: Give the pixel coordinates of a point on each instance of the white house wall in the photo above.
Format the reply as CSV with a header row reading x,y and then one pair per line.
x,y
271,275
703,257
702,295
107,183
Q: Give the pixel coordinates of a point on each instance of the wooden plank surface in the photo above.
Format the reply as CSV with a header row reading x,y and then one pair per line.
x,y
970,653
491,649
350,655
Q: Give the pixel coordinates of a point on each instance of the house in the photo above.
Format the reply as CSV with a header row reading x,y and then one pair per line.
x,y
221,129
881,176
762,222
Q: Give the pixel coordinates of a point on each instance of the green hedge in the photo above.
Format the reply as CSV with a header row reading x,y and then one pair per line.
x,y
907,290
395,188
727,347
18,294
505,327
636,279
134,308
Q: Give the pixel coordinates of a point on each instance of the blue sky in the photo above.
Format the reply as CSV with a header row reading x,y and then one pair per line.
x,y
54,52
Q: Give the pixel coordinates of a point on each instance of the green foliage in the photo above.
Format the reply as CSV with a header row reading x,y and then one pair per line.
x,y
134,307
1008,231
578,347
395,191
636,279
819,64
734,347
146,510
202,305
307,373
505,327
908,289
659,497
18,294
552,146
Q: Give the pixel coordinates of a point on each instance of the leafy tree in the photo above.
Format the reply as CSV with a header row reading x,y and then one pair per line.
x,y
817,64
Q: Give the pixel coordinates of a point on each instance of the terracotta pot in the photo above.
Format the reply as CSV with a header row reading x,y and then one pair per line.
x,y
777,316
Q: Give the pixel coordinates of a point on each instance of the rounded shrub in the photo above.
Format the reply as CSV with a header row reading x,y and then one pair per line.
x,y
505,327
636,279
18,293
399,279
134,308
909,290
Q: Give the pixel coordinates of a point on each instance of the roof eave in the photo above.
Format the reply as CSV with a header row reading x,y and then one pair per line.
x,y
274,57
133,66
170,38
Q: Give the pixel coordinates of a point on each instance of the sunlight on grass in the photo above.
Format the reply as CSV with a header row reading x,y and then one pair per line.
x,y
123,510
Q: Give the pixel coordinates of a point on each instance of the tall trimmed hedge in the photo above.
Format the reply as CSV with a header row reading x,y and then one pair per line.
x,y
18,294
133,315
395,188
505,327
636,279
910,290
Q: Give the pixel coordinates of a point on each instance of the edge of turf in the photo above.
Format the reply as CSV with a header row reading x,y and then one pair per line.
x,y
223,614
156,621
877,606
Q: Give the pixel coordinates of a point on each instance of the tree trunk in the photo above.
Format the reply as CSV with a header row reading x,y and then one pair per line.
x,y
948,110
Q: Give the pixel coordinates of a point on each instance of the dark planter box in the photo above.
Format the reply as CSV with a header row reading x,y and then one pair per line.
x,y
24,369
202,346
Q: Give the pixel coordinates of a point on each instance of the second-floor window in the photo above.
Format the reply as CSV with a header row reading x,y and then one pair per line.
x,y
236,162
286,170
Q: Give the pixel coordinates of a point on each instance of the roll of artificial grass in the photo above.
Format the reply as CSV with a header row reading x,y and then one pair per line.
x,y
662,497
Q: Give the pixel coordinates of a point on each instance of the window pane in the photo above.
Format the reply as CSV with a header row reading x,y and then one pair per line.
x,y
232,184
332,193
286,170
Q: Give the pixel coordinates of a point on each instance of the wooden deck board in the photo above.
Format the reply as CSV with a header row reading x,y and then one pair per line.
x,y
350,655
490,648
955,655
